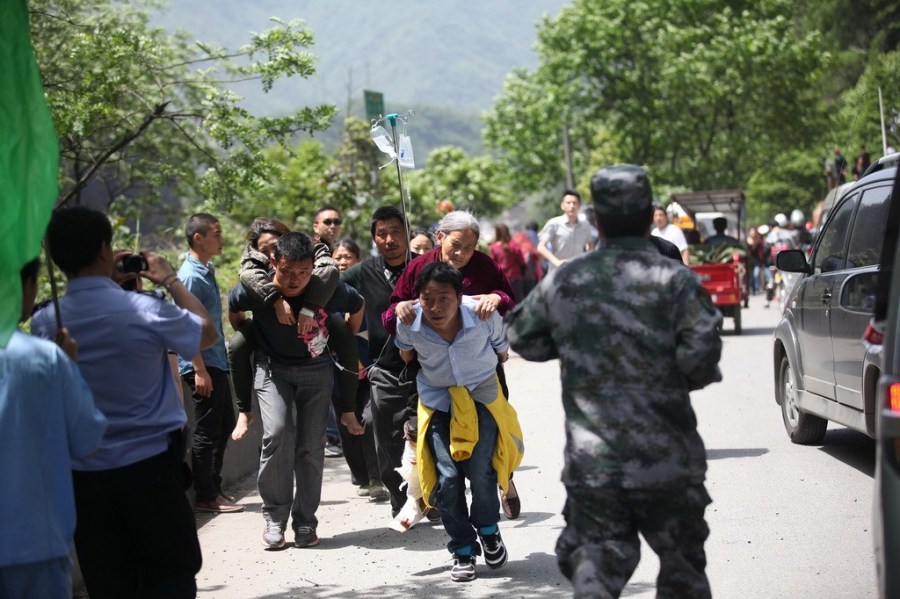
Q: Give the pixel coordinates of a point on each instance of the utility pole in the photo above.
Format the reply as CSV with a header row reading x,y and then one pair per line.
x,y
567,153
349,91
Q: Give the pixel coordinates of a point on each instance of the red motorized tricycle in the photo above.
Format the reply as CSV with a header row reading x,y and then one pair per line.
x,y
722,269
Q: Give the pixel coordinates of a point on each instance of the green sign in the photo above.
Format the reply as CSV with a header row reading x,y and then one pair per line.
x,y
374,104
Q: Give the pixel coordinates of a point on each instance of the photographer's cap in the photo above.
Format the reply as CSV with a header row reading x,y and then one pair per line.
x,y
621,190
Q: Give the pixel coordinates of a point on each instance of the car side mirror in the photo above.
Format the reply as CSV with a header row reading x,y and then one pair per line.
x,y
792,261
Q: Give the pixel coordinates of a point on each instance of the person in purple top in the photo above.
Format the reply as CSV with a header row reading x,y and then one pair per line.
x,y
483,280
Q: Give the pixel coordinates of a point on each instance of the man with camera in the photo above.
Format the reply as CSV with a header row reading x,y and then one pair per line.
x,y
135,533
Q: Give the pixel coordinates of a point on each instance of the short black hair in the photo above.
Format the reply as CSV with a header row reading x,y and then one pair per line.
x,y
324,209
571,192
636,224
295,246
349,244
385,213
720,223
198,223
439,272
29,272
75,237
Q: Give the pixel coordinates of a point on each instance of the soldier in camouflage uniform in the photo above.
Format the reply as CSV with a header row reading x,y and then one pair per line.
x,y
634,332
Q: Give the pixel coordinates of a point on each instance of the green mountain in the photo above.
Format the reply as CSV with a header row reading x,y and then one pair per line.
x,y
446,60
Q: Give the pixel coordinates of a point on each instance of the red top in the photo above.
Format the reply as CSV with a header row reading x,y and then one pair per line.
x,y
480,275
509,258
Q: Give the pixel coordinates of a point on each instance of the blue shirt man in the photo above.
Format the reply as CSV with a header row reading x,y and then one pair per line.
x,y
48,417
206,374
469,360
133,486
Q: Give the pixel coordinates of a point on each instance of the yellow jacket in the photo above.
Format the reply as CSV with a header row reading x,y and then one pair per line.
x,y
508,451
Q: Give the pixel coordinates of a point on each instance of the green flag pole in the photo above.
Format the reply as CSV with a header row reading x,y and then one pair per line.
x,y
29,161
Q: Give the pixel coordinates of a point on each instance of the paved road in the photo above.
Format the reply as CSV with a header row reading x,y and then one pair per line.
x,y
787,521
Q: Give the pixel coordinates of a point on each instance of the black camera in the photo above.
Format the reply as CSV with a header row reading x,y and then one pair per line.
x,y
132,263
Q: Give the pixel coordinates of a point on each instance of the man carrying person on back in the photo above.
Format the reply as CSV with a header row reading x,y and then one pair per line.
x,y
207,373
293,377
136,534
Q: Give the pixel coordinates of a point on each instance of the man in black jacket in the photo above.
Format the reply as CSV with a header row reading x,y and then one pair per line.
x,y
374,279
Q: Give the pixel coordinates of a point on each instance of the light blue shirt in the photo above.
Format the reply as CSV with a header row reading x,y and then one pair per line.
x,y
469,361
123,338
200,279
47,417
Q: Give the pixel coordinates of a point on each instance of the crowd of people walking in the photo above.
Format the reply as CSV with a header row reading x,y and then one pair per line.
x,y
392,359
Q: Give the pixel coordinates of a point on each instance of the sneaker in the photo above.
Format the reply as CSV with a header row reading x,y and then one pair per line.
x,y
219,505
433,514
494,550
333,450
305,537
273,535
377,491
463,568
363,491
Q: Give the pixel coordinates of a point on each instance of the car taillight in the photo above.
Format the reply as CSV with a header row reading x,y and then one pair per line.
x,y
893,397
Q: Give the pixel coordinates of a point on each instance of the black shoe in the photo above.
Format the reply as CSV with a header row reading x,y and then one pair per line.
x,y
305,537
494,550
463,568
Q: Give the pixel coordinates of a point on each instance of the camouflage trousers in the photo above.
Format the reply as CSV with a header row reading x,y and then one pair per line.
x,y
600,548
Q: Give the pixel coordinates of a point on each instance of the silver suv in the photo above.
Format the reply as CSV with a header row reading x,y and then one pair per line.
x,y
822,370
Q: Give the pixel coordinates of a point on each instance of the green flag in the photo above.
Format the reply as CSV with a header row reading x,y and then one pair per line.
x,y
29,160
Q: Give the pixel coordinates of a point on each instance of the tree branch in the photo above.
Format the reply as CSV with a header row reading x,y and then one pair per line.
x,y
104,156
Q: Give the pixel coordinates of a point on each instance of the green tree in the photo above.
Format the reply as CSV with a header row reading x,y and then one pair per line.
x,y
478,184
141,114
703,92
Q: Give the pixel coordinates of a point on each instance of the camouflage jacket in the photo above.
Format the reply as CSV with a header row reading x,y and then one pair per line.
x,y
634,332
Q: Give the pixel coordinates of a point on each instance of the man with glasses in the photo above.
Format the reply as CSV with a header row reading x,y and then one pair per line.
x,y
327,225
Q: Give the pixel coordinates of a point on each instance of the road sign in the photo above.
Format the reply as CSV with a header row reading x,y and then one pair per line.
x,y
374,104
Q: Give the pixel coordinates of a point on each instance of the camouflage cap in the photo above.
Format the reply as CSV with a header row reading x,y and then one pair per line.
x,y
621,190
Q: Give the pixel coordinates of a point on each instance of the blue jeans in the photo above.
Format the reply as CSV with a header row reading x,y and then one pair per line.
x,y
459,522
293,403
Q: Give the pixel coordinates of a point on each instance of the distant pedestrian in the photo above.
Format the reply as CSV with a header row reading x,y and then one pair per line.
x,y
566,236
634,332
48,417
509,256
840,166
663,228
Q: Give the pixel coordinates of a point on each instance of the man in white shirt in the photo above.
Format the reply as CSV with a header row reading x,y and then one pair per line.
x,y
566,236
663,228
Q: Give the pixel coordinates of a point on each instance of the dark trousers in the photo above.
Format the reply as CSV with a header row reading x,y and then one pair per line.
x,y
213,422
359,450
136,534
389,402
600,548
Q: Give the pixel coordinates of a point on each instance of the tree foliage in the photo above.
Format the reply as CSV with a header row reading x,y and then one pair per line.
x,y
701,91
141,113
